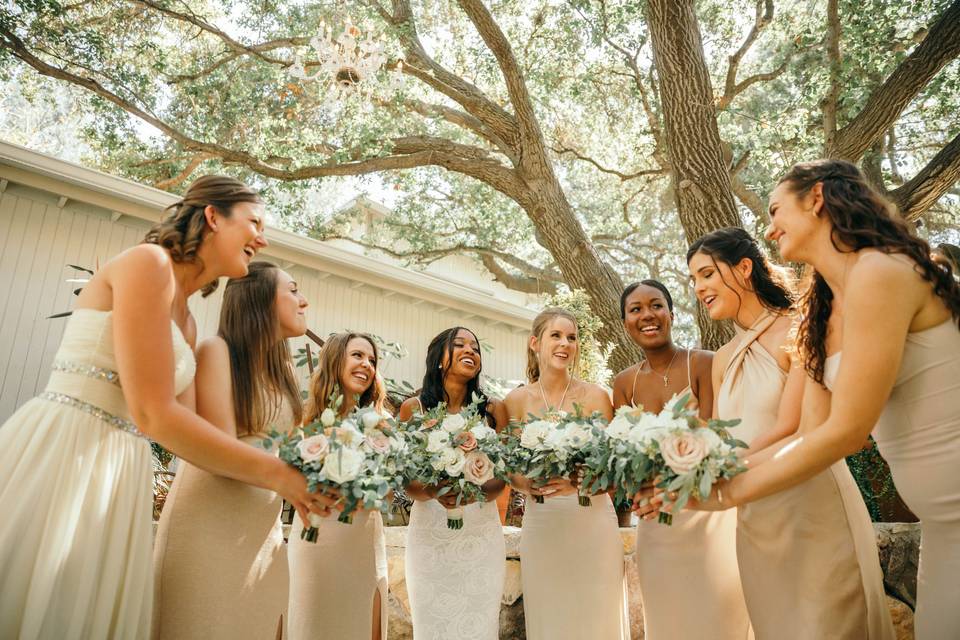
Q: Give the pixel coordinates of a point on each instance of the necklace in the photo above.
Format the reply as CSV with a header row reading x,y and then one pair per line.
x,y
666,374
546,405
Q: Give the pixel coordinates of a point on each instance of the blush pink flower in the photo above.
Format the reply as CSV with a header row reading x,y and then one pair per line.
x,y
478,468
465,440
378,441
683,451
428,424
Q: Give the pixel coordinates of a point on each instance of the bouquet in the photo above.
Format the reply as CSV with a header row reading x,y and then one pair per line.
x,y
454,451
552,447
674,449
360,455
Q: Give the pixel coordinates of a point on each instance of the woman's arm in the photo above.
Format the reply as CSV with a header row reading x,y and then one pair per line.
x,y
214,385
143,288
880,304
702,362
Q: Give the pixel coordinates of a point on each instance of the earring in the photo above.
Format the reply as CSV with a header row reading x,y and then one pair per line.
x,y
440,367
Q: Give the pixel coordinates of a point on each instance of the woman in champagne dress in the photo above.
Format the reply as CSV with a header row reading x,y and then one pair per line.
x,y
75,467
454,577
808,556
695,558
220,563
882,330
338,584
571,556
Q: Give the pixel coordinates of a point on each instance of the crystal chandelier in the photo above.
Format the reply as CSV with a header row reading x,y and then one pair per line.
x,y
346,64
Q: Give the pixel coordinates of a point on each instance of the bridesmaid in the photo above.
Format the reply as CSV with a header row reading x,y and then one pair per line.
x,y
894,314
220,564
75,473
808,557
695,559
572,556
454,578
338,584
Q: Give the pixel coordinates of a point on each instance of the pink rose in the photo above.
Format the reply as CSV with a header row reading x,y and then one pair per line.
x,y
428,424
683,451
377,441
313,448
465,440
478,468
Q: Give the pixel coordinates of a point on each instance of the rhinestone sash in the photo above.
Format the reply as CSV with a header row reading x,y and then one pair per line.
x,y
91,372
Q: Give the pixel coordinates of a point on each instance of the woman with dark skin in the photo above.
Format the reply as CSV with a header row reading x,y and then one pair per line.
x,y
674,563
464,565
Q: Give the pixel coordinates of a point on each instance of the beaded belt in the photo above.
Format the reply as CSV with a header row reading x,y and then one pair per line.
x,y
91,372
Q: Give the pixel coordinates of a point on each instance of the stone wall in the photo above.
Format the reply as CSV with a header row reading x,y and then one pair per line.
x,y
898,544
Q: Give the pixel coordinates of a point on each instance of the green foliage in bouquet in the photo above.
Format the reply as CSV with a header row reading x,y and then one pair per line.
x,y
554,446
361,455
457,452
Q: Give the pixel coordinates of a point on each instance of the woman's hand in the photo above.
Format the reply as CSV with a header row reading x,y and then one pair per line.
x,y
556,487
292,487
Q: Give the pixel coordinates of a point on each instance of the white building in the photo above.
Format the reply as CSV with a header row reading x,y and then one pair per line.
x,y
55,213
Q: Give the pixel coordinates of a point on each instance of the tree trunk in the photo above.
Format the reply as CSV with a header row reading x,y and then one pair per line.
x,y
581,266
701,181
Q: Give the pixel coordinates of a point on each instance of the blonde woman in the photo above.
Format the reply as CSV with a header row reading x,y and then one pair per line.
x,y
572,556
338,584
220,564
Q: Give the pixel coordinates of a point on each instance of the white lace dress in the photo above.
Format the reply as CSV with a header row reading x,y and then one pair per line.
x,y
455,577
76,497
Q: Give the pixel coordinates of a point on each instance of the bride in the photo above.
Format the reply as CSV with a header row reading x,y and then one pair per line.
x,y
75,462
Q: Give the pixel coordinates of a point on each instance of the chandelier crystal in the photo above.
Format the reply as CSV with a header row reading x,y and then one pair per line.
x,y
346,65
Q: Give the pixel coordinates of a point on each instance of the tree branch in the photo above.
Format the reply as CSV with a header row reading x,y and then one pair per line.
x,y
939,175
560,149
524,284
181,177
828,105
764,16
888,101
496,41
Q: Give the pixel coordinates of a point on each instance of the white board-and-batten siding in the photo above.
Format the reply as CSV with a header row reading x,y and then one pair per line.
x,y
39,238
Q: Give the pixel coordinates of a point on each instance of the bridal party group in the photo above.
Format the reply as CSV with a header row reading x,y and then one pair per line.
x,y
868,343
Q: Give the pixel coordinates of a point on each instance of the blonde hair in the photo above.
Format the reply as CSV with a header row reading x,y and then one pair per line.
x,y
327,377
182,230
540,325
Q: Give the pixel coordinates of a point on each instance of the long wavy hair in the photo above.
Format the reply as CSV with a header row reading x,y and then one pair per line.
x,y
771,284
326,378
540,325
432,391
184,225
860,219
261,368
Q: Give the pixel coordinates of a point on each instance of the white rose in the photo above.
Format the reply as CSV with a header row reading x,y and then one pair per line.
x,y
482,432
343,465
453,461
313,448
371,419
478,468
349,433
453,423
714,441
437,441
534,433
619,428
578,435
683,451
328,417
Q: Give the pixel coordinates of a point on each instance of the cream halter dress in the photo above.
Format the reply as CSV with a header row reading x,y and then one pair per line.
x,y
76,494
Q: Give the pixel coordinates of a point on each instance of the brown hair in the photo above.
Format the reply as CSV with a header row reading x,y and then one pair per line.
x,y
182,230
540,325
261,368
861,219
327,376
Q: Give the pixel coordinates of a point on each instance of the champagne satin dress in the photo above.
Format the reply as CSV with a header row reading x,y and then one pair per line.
x,y
918,435
808,555
220,563
694,560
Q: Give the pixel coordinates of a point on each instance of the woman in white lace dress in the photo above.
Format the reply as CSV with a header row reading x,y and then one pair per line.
x,y
571,556
75,469
454,577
